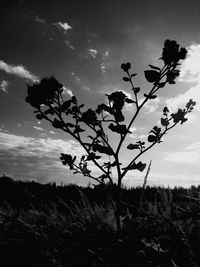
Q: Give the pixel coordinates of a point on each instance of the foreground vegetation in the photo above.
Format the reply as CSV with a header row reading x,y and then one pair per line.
x,y
57,226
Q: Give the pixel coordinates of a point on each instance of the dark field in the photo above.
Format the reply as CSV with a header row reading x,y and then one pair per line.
x,y
58,226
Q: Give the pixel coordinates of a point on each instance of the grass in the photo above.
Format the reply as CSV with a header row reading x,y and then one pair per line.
x,y
58,226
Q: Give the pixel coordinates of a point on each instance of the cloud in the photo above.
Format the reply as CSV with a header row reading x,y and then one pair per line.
x,y
4,86
64,26
105,55
69,45
127,106
129,95
131,105
38,128
3,129
92,52
103,67
67,91
143,136
39,147
136,133
18,70
39,20
86,88
151,105
195,146
190,67
179,101
38,158
161,179
133,133
75,77
190,155
189,72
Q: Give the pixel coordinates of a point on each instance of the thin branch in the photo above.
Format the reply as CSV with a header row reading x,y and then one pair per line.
x,y
67,130
164,71
135,94
126,169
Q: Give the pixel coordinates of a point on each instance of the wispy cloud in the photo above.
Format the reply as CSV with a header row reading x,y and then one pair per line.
x,y
190,72
86,88
39,147
39,20
105,54
67,91
4,86
162,179
190,155
152,105
131,105
137,132
69,44
104,66
38,157
75,77
92,52
190,68
182,99
63,26
38,128
18,70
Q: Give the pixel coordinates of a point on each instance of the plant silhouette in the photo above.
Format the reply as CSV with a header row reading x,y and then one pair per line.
x,y
91,128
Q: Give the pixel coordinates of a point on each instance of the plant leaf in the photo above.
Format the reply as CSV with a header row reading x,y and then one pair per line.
x,y
91,156
152,138
126,79
138,166
103,149
161,85
151,75
65,105
39,116
154,67
133,146
57,124
120,129
133,75
164,121
129,101
68,124
150,96
49,111
103,176
136,89
125,66
78,129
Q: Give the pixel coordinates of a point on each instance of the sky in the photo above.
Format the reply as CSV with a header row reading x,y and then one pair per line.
x,y
83,44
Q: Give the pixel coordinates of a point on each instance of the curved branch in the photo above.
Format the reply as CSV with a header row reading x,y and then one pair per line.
x,y
67,130
146,149
164,71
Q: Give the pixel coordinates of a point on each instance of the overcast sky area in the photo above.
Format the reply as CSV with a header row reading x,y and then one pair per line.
x,y
83,44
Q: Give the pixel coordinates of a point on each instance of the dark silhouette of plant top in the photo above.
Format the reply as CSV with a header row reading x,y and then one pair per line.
x,y
91,128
